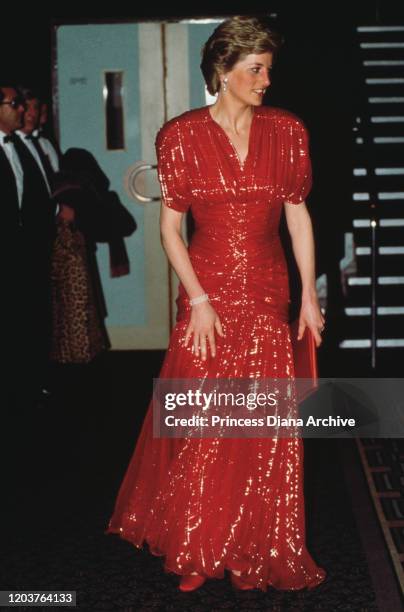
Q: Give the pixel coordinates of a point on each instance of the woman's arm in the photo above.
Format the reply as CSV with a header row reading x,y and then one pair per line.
x,y
204,319
301,232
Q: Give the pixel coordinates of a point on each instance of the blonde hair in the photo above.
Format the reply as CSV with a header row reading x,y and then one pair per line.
x,y
231,41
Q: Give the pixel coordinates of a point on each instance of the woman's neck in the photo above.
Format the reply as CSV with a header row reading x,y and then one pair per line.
x,y
234,118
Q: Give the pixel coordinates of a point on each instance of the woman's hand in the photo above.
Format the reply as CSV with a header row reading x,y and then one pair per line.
x,y
311,317
203,322
66,213
301,231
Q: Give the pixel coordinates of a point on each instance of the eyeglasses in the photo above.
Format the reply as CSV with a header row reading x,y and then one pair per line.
x,y
15,103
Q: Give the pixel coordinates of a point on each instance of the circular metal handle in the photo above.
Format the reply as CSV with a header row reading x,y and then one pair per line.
x,y
130,182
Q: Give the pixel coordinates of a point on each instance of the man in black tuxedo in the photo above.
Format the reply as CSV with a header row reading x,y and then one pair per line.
x,y
40,147
28,217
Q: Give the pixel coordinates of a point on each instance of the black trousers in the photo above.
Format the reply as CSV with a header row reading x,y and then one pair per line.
x,y
28,329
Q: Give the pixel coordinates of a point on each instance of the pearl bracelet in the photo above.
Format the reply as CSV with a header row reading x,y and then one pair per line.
x,y
198,300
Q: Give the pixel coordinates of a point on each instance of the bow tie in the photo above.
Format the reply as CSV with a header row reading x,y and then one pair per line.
x,y
10,137
32,137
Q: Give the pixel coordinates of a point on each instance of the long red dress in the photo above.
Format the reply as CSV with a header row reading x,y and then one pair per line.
x,y
208,505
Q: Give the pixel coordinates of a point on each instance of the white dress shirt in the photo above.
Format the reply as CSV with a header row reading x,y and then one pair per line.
x,y
12,156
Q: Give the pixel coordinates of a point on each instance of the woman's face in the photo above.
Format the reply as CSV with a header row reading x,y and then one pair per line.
x,y
249,78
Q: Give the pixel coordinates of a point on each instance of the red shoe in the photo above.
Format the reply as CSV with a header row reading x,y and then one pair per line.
x,y
191,582
239,583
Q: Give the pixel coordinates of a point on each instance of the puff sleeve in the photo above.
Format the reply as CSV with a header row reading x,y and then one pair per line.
x,y
300,170
171,168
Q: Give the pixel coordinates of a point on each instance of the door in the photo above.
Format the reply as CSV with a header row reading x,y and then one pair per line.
x,y
116,84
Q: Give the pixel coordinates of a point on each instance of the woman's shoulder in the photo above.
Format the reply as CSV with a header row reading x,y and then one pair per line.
x,y
284,118
181,123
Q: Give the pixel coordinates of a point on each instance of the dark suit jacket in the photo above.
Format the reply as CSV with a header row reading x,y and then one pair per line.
x,y
32,226
27,237
8,195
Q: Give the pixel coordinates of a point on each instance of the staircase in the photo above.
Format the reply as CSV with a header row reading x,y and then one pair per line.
x,y
374,310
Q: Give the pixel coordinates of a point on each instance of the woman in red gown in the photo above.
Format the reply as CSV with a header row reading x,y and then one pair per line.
x,y
210,505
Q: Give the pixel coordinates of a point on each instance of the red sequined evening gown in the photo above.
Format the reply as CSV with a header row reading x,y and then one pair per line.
x,y
208,505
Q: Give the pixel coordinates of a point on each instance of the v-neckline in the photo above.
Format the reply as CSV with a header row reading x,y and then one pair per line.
x,y
241,164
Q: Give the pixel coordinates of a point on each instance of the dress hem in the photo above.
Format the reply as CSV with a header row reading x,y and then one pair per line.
x,y
311,585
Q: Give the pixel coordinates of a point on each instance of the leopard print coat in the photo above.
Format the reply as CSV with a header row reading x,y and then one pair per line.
x,y
78,332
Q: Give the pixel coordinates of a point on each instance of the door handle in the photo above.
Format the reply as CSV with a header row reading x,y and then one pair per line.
x,y
132,189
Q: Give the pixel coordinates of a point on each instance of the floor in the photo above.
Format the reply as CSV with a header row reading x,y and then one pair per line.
x,y
62,465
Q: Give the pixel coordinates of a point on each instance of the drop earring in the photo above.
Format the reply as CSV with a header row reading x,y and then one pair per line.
x,y
224,84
